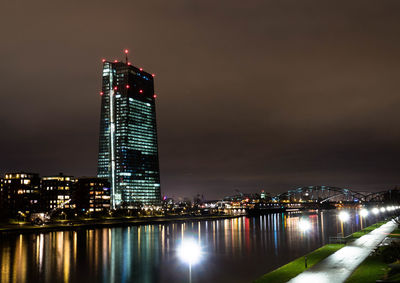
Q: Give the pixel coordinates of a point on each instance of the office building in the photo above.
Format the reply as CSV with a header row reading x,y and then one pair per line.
x,y
20,192
91,194
56,192
128,150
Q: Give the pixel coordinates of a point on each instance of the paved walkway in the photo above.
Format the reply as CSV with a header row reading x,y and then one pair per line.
x,y
340,265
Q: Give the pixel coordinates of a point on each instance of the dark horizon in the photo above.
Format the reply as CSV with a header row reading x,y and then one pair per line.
x,y
264,95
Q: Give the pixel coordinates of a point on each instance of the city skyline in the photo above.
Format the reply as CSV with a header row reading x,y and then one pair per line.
x,y
250,97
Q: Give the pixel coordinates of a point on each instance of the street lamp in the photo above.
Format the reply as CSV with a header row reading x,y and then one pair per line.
x,y
364,212
344,216
304,225
375,210
189,252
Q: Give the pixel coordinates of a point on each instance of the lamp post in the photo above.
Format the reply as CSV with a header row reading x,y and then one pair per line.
x,y
375,210
304,225
344,216
363,213
189,252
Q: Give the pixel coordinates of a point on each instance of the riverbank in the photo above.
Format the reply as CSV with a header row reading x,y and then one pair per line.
x,y
294,268
104,223
378,266
297,266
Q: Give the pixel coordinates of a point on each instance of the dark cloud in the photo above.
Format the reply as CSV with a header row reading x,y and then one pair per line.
x,y
261,95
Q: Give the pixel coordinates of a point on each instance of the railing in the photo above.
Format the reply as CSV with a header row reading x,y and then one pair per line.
x,y
340,239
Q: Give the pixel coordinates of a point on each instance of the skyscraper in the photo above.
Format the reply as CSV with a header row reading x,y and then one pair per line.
x,y
128,150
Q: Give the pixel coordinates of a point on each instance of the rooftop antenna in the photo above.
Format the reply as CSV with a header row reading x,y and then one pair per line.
x,y
126,51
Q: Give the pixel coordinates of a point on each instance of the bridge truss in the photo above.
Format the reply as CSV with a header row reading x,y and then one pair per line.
x,y
332,194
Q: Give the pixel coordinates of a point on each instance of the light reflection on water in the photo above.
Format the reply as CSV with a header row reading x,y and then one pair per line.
x,y
236,250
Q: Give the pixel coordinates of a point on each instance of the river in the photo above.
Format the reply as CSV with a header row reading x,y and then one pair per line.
x,y
233,250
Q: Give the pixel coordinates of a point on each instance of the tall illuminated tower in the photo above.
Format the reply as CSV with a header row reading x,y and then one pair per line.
x,y
128,151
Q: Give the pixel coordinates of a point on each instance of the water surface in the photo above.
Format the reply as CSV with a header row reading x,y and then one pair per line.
x,y
234,250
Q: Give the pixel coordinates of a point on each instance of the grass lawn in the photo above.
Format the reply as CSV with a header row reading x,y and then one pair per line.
x,y
368,229
372,269
292,269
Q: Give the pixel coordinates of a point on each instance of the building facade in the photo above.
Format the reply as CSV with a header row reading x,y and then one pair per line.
x,y
20,193
91,194
55,192
128,150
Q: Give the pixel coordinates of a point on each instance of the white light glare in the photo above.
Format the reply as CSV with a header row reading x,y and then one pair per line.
x,y
375,210
383,209
304,225
364,212
344,216
189,251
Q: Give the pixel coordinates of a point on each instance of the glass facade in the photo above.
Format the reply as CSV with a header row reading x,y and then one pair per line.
x,y
128,151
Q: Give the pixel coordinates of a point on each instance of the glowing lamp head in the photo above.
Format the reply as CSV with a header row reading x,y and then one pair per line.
x,y
103,60
344,216
141,91
383,209
101,93
126,51
141,69
304,225
155,95
127,86
129,63
375,210
364,212
115,61
189,251
153,75
115,88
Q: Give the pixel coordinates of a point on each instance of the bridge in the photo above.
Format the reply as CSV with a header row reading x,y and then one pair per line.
x,y
307,197
322,194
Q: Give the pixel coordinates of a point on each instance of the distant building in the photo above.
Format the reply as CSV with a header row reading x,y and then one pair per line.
x,y
20,192
56,192
128,150
91,194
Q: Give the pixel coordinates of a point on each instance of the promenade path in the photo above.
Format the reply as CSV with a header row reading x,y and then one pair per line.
x,y
340,265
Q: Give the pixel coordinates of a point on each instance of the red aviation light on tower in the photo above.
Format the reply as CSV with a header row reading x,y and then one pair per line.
x,y
101,93
155,95
153,75
127,86
141,91
115,88
126,51
140,69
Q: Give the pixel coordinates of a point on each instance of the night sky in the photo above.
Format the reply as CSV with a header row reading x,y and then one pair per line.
x,y
251,94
